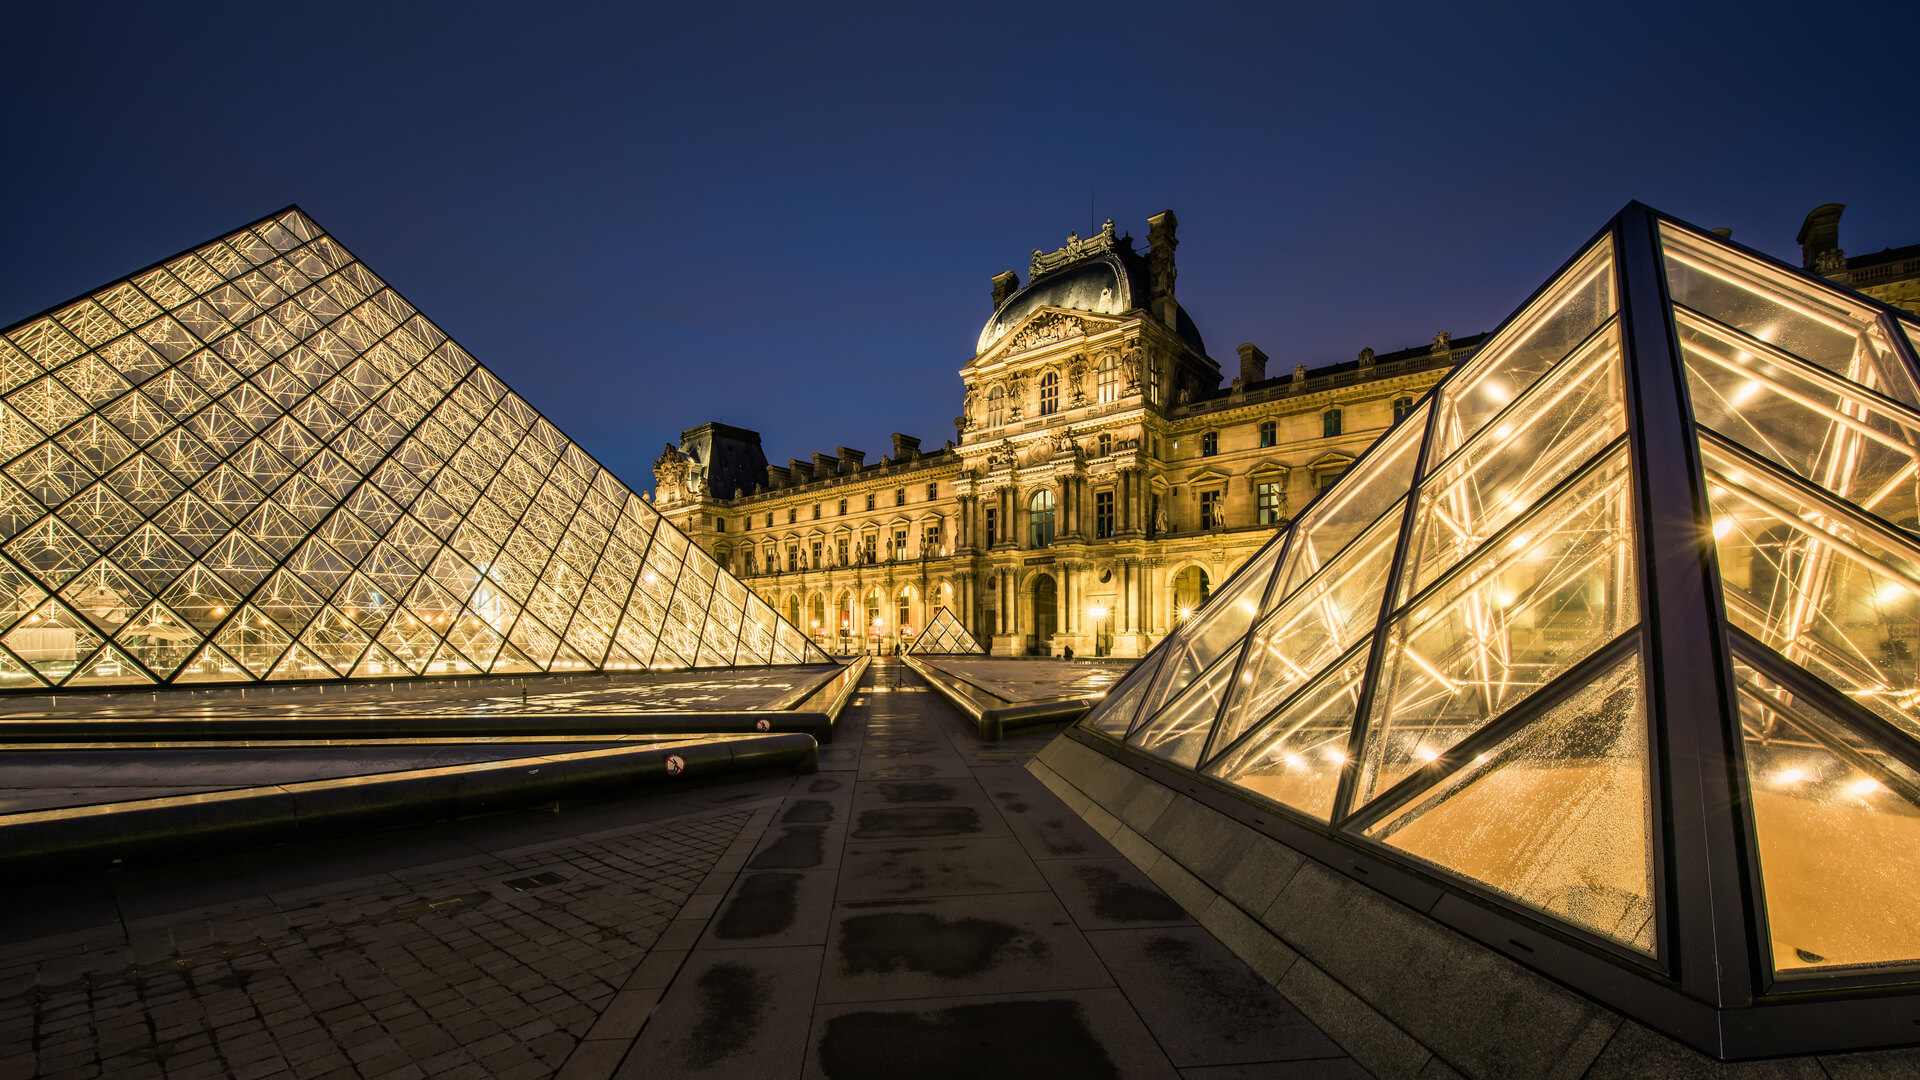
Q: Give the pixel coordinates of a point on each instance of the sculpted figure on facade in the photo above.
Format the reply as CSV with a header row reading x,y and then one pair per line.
x,y
1366,358
1076,375
1130,362
1830,261
1046,330
1442,342
670,471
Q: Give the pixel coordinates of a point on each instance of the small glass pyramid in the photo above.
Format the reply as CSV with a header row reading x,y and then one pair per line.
x,y
256,461
1448,659
943,635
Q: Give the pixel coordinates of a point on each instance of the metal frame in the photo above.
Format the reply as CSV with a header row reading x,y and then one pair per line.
x,y
440,381
1712,983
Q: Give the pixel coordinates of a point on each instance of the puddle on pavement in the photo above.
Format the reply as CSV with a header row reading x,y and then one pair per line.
x,y
911,822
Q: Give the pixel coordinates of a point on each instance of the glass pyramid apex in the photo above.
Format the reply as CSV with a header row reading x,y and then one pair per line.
x,y
1504,716
944,635
256,461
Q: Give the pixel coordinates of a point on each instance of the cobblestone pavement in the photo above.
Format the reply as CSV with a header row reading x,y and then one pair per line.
x,y
444,970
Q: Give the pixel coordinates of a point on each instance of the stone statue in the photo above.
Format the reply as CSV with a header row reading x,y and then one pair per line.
x,y
1442,342
1366,358
1830,261
1076,374
1130,364
1300,373
1159,517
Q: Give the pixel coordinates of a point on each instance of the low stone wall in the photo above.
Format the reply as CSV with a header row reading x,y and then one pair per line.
x,y
1405,995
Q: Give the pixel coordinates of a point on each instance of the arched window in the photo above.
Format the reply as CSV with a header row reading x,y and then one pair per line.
x,y
793,610
996,408
1330,423
1040,520
1107,382
905,605
1049,394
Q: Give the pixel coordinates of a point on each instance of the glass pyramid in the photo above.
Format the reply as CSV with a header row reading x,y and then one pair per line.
x,y
256,461
943,634
1451,658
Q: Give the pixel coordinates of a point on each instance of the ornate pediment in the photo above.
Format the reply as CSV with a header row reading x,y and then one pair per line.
x,y
1050,327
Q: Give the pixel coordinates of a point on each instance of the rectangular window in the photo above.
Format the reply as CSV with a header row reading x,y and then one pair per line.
x,y
1106,444
816,554
1401,407
816,511
991,534
867,544
929,539
1330,423
1210,444
841,545
793,558
933,491
843,508
899,544
1269,433
769,519
793,514
1269,499
899,496
719,524
869,500
1103,515
1209,509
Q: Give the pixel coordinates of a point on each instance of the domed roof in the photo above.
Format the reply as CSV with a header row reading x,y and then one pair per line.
x,y
1102,285
1108,284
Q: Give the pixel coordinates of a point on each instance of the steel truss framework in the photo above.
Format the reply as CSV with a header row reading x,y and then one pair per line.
x,y
943,635
256,461
1616,636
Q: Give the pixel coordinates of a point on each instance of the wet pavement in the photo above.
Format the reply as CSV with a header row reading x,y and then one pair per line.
x,y
920,907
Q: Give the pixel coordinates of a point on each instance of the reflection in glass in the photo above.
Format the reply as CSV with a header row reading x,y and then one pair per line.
x,y
1556,815
1548,432
1530,345
1115,714
1812,321
1853,444
1534,603
1296,757
1357,501
1178,732
1837,822
1314,625
1219,627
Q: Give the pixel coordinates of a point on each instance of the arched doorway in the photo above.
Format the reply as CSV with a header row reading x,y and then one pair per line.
x,y
1190,590
1046,614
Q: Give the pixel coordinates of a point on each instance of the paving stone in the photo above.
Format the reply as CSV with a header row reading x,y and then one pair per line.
x,y
946,946
732,1012
940,867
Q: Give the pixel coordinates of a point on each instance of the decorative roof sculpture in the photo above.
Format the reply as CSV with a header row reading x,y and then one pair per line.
x,y
256,461
1618,634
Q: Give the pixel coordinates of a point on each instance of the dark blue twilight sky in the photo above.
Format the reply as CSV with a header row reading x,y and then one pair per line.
x,y
784,216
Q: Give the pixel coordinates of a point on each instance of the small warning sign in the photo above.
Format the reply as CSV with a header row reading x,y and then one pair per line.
x,y
763,724
676,764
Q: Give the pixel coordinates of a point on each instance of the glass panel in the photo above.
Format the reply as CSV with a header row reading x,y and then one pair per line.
x,y
1802,418
1179,731
1837,822
1360,498
109,667
1529,346
1552,592
1813,322
1556,816
1296,758
1551,430
54,639
1314,625
1219,627
159,639
1836,595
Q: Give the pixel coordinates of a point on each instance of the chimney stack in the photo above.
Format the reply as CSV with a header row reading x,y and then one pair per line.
x,y
1160,266
1820,233
853,458
1253,364
825,465
905,447
1004,284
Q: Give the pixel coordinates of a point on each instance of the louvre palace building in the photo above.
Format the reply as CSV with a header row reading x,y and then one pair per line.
x,y
1108,471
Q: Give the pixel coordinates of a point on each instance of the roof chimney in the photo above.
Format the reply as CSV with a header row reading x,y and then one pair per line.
x,y
853,458
905,447
1160,268
1004,284
825,465
1819,233
1253,364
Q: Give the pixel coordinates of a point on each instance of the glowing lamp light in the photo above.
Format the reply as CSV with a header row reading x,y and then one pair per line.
x,y
1744,392
1097,611
1336,756
1721,527
1425,753
1865,786
1186,613
1790,776
1890,593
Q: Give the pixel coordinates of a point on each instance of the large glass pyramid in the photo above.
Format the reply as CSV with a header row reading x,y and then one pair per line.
x,y
257,462
1673,503
943,635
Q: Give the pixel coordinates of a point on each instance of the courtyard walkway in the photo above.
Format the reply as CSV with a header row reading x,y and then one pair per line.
x,y
920,907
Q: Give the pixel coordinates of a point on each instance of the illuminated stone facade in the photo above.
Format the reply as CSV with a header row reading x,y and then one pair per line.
x,y
1091,392
1102,483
